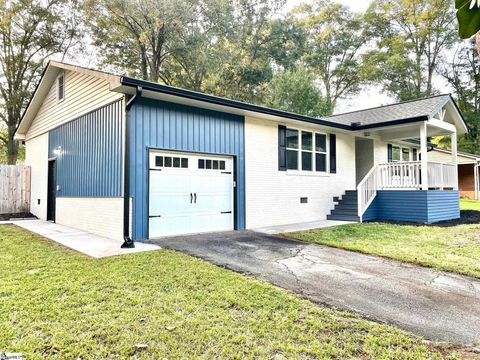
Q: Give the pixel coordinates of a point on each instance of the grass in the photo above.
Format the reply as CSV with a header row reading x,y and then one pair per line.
x,y
55,303
454,248
467,204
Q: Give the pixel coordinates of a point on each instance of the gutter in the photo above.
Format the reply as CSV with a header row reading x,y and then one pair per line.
x,y
127,241
193,95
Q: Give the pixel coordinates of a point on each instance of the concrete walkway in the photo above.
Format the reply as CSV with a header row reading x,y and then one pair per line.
x,y
436,305
86,243
282,229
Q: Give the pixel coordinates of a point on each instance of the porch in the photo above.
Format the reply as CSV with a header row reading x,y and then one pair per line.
x,y
419,189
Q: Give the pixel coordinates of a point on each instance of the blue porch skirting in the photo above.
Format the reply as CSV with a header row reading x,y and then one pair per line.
x,y
426,206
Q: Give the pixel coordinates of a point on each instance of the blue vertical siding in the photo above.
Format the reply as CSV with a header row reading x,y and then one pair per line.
x,y
162,125
90,161
414,206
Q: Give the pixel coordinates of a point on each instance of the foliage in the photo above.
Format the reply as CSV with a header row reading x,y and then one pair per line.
x,y
31,31
453,248
334,39
411,37
60,304
463,74
468,16
294,91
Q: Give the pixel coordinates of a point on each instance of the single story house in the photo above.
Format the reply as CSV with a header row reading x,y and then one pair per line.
x,y
468,171
131,159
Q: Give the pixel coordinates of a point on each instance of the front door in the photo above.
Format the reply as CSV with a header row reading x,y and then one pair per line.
x,y
52,189
189,193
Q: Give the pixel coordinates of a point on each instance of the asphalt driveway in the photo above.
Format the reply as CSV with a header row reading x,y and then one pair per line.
x,y
436,305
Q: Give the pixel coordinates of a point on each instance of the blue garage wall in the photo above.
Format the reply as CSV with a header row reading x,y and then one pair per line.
x,y
414,206
157,124
90,161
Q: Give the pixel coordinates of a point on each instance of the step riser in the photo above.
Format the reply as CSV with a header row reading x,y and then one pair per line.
x,y
343,218
346,208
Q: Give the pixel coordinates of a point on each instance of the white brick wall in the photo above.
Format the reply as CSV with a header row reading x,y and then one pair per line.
x,y
273,197
36,156
101,216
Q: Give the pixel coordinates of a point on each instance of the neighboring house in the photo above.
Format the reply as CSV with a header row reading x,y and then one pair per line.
x,y
468,171
127,158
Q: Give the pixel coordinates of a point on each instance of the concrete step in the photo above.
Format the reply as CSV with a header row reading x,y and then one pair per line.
x,y
343,206
343,217
344,212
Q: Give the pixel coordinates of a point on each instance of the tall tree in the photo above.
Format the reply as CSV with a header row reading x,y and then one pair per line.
x,y
334,40
411,37
463,74
137,36
30,32
294,90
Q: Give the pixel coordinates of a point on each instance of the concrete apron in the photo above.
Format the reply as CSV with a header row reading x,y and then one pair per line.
x,y
81,241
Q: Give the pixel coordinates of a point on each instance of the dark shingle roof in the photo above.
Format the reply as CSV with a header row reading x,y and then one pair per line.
x,y
394,112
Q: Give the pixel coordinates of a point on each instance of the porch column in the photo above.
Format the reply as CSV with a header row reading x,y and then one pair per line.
x,y
454,157
423,152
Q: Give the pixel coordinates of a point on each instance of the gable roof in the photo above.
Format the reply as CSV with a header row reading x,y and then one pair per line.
x,y
412,109
405,112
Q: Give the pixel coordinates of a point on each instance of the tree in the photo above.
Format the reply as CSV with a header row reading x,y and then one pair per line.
x,y
411,36
294,91
334,40
30,32
138,36
463,74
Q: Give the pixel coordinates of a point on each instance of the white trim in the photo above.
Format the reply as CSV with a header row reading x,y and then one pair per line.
x,y
299,150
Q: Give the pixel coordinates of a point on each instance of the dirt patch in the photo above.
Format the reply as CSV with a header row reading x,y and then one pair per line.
x,y
6,217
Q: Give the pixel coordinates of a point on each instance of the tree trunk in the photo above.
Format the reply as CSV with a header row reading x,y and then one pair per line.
x,y
12,149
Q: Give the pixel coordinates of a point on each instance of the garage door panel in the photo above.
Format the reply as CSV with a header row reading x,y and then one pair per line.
x,y
174,211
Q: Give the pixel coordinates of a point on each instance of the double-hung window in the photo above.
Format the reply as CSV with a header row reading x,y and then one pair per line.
x,y
400,153
306,151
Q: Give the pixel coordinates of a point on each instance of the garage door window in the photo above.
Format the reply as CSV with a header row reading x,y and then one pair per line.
x,y
208,164
169,161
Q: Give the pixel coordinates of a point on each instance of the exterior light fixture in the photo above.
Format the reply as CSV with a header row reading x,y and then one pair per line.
x,y
366,133
58,150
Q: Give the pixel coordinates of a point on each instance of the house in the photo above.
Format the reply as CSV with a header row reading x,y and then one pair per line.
x,y
131,159
468,171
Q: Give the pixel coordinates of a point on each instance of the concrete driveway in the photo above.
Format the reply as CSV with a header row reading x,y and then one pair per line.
x,y
436,305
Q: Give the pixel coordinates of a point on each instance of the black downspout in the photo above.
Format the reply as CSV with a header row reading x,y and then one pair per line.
x,y
127,241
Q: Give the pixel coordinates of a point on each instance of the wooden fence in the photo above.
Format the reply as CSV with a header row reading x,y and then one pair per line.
x,y
14,189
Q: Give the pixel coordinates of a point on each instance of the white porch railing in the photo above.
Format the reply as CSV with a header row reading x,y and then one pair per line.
x,y
403,175
441,176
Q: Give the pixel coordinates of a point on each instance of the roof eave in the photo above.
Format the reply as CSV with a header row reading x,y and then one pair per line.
x,y
192,95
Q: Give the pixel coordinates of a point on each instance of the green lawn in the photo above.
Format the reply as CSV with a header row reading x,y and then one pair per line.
x,y
467,204
56,303
451,248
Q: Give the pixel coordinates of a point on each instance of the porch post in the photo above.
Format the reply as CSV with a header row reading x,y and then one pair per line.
x,y
454,157
423,152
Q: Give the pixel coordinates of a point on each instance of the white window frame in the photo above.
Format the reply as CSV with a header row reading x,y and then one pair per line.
x,y
57,85
299,150
401,148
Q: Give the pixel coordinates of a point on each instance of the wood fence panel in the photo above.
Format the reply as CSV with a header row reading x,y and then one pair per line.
x,y
14,189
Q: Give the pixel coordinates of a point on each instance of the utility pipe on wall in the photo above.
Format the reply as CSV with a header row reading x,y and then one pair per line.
x,y
127,241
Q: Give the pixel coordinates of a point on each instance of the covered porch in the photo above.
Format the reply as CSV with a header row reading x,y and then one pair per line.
x,y
417,188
